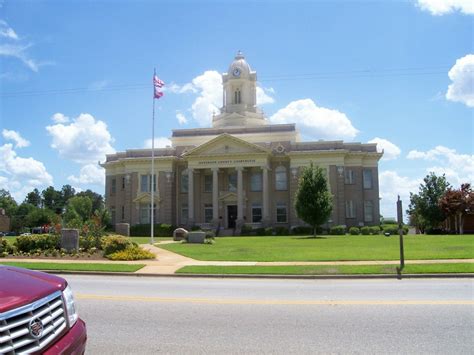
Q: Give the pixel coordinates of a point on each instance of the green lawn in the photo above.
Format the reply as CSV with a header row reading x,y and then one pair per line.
x,y
329,248
76,266
329,269
146,240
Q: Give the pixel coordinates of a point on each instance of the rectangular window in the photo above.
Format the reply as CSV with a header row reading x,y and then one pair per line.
x,y
256,213
184,213
367,179
232,182
256,181
281,180
368,211
184,182
208,213
123,213
350,210
281,213
349,177
145,215
145,183
207,183
112,215
113,188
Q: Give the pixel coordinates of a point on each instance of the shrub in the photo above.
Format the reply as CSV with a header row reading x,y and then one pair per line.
x,y
246,230
114,243
29,243
302,230
354,231
269,231
260,231
375,230
393,229
281,231
365,230
337,230
131,253
3,247
159,230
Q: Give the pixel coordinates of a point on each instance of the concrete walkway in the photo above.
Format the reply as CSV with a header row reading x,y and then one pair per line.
x,y
167,262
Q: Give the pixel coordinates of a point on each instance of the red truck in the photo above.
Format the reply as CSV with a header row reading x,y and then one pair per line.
x,y
38,314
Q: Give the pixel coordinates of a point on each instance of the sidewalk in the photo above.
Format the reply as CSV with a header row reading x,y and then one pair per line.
x,y
167,262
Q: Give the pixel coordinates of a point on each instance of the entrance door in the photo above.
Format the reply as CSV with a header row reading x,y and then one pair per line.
x,y
231,216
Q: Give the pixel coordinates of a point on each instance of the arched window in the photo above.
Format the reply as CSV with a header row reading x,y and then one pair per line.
x,y
281,179
237,97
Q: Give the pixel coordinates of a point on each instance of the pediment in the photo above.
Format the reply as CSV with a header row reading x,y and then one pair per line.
x,y
226,144
145,197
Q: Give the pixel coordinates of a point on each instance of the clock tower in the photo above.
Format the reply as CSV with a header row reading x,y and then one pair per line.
x,y
239,97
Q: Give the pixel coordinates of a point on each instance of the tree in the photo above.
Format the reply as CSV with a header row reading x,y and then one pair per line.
x,y
424,207
78,207
52,199
34,198
7,202
97,199
313,202
458,203
66,193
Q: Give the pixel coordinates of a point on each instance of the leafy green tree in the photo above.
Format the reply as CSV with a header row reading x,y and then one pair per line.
x,y
19,219
7,202
97,199
67,192
313,201
78,207
39,217
34,198
424,206
52,199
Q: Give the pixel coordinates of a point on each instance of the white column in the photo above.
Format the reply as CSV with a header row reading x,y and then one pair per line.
x,y
266,211
215,194
190,196
240,195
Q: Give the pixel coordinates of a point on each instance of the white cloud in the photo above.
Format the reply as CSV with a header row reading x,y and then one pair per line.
x,y
180,89
462,76
441,7
85,140
19,52
318,122
21,175
181,118
459,168
89,174
60,118
160,142
262,96
20,142
390,150
209,88
7,32
393,185
98,85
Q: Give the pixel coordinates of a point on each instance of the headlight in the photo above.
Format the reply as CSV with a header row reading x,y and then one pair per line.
x,y
70,306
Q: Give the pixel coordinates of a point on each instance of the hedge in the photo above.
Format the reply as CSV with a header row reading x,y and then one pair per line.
x,y
29,243
160,230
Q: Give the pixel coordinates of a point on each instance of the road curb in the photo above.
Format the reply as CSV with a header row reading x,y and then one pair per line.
x,y
260,276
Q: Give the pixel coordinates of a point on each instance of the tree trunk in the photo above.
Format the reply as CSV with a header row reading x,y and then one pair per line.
x,y
461,224
314,231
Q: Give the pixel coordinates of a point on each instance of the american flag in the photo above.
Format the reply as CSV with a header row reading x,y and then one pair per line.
x,y
157,84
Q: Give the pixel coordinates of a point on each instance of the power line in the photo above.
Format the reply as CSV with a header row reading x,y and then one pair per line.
x,y
360,73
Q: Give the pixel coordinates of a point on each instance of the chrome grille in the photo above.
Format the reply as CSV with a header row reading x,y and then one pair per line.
x,y
15,337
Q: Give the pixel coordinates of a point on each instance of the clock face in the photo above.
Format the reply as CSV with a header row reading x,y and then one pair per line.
x,y
236,72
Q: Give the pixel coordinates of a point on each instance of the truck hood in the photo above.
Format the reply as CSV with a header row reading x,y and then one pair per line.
x,y
20,286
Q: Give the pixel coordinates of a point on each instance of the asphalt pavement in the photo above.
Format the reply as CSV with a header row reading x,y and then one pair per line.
x,y
130,315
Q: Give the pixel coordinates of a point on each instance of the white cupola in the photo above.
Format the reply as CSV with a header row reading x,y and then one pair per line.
x,y
240,96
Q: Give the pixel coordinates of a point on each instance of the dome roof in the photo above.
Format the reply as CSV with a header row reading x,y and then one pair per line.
x,y
240,63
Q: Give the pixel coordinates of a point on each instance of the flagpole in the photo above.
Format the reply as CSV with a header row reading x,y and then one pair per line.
x,y
152,169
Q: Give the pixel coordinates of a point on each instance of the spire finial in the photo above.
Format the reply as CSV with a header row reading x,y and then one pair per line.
x,y
239,55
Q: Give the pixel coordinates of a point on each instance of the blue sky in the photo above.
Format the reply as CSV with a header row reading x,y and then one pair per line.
x,y
400,72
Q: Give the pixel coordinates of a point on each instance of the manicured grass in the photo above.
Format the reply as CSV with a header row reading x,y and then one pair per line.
x,y
76,266
328,248
146,240
330,269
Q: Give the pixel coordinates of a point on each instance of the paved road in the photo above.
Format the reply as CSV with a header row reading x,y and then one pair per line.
x,y
130,315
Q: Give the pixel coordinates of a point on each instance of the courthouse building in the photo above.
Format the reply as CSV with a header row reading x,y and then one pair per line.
x,y
241,170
